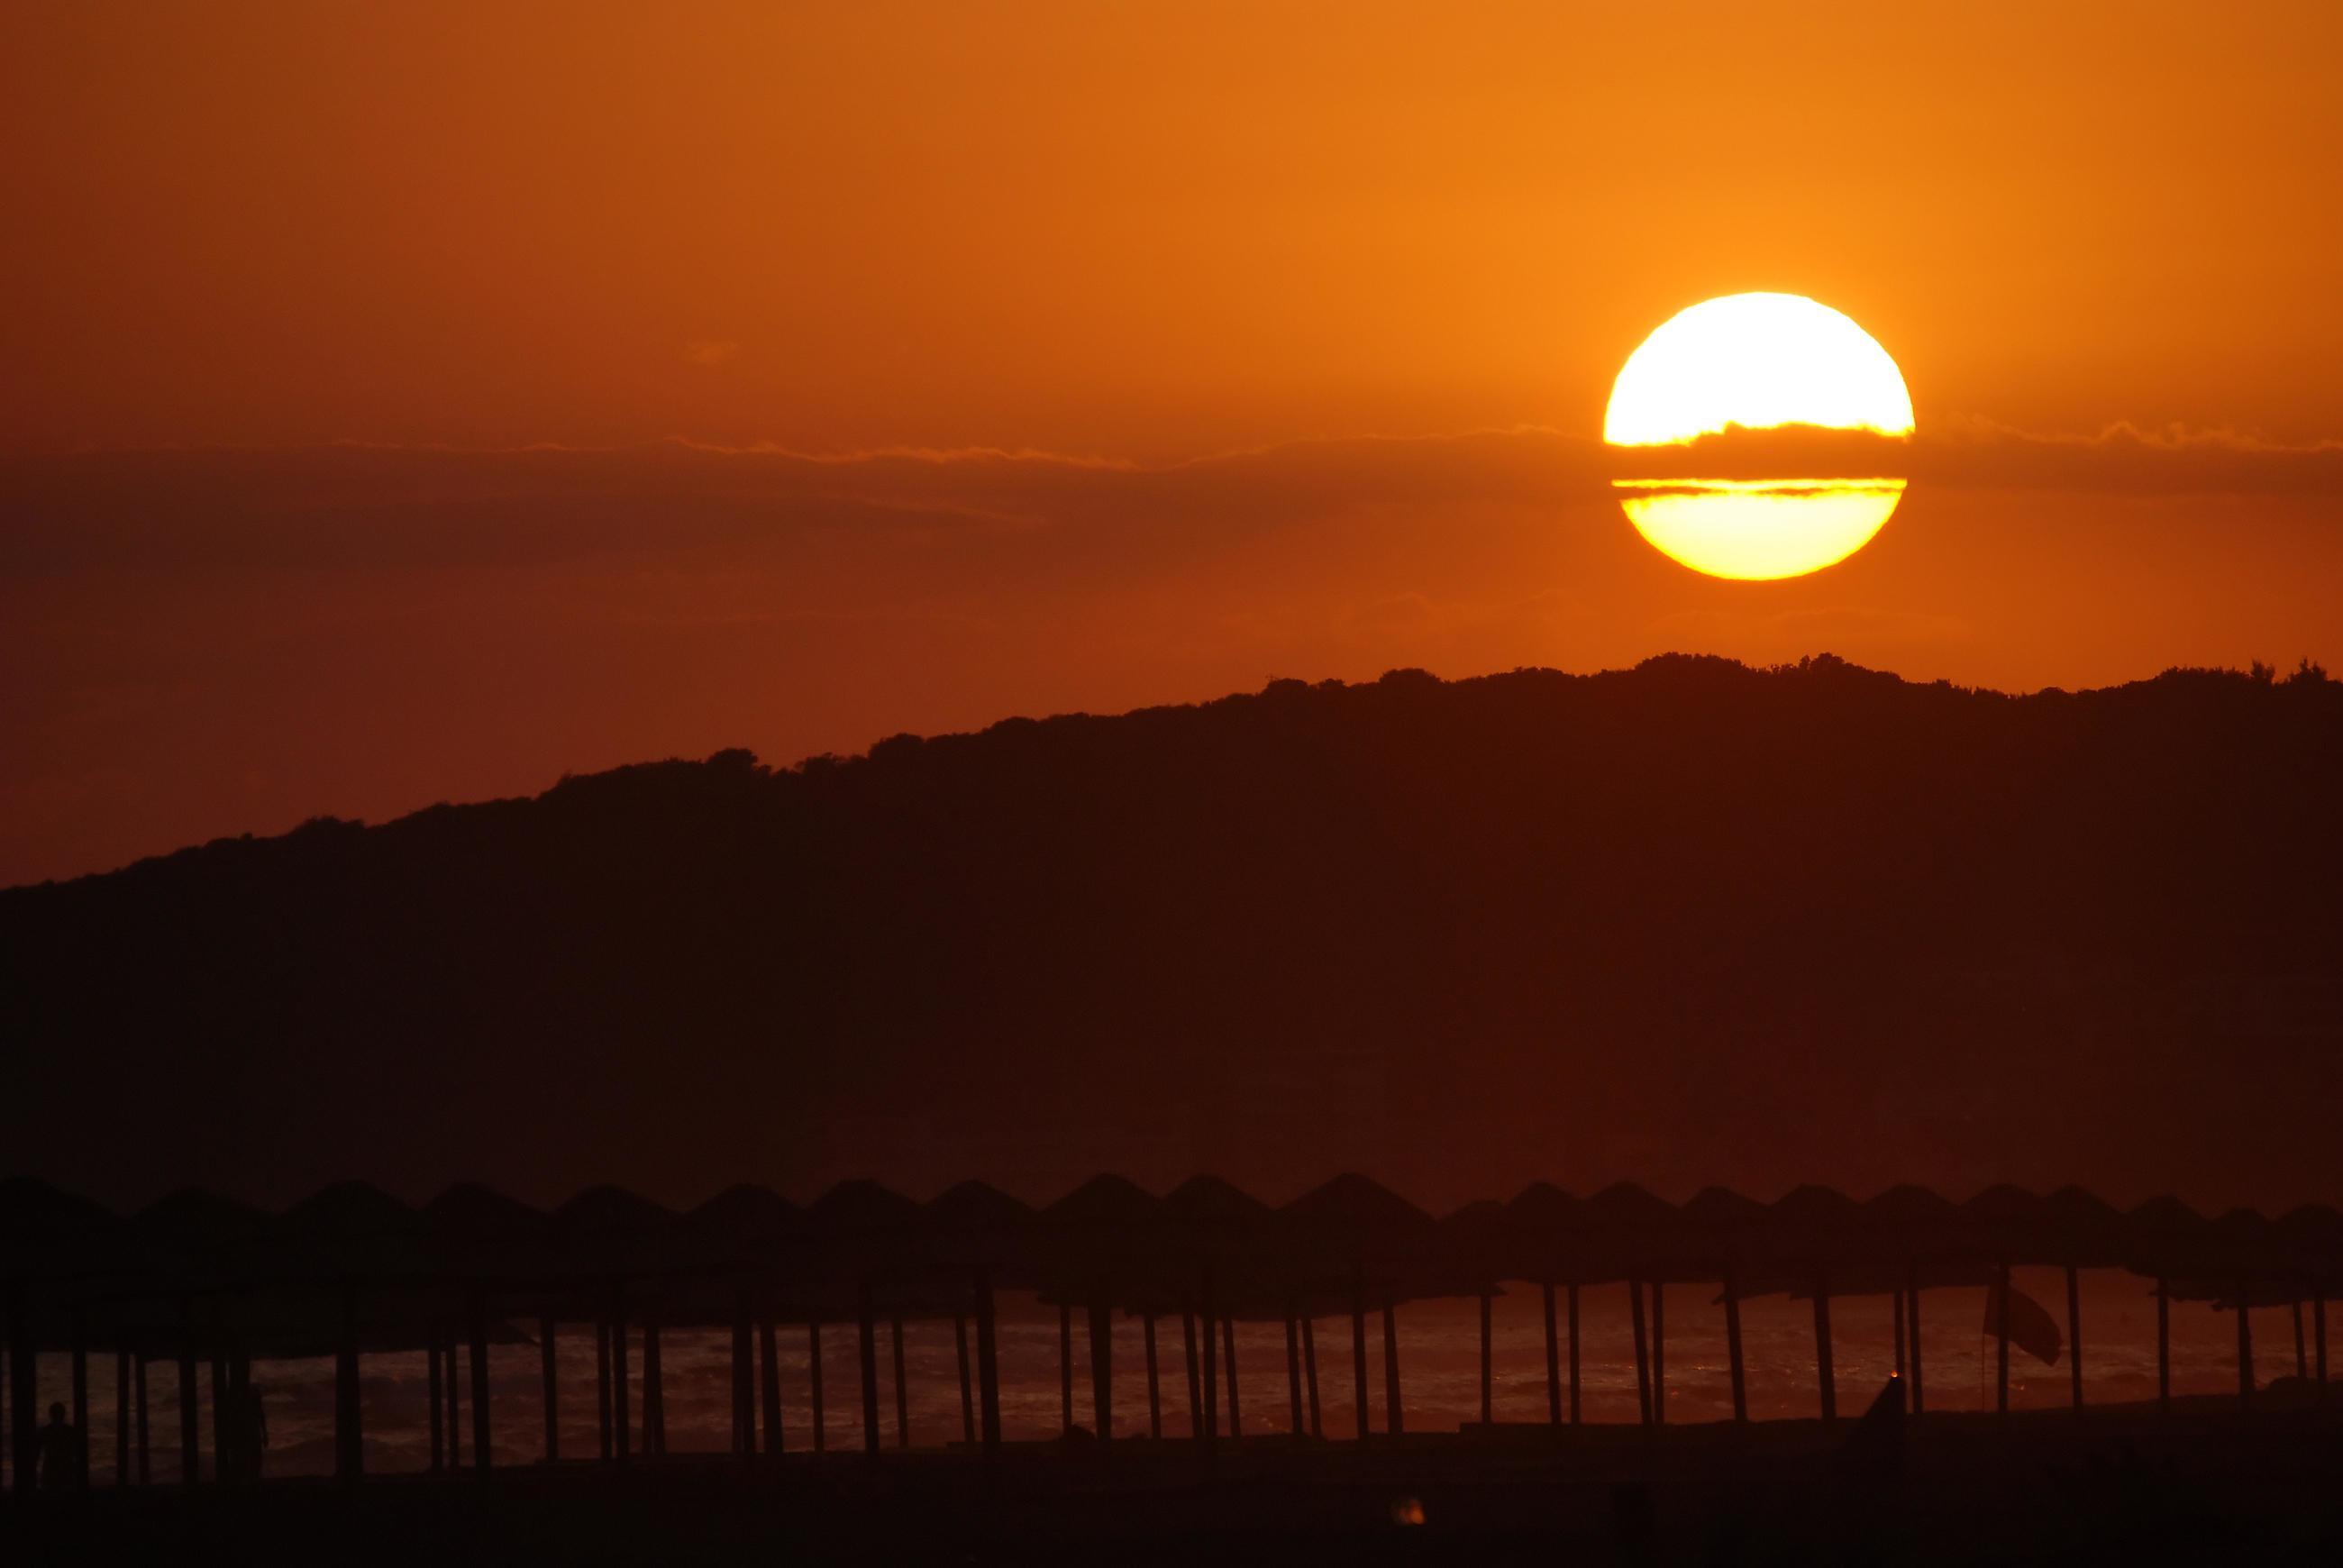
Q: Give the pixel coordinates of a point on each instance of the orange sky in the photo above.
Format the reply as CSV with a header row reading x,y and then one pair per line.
x,y
1152,235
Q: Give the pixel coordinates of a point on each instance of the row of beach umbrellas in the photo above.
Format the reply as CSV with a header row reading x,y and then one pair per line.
x,y
72,1268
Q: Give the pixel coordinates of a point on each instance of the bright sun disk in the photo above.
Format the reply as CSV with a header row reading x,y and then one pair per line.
x,y
1760,362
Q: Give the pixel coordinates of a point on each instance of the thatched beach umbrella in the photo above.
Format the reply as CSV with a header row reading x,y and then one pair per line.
x,y
2309,1243
1477,1243
483,1240
614,1237
187,1242
1546,1229
748,1227
1356,1233
364,1252
1212,1229
54,1246
981,1234
2166,1238
1814,1237
1728,1231
1102,1242
2084,1232
2002,1225
1919,1236
863,1236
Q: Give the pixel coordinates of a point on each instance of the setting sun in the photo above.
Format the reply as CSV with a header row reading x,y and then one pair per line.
x,y
1757,362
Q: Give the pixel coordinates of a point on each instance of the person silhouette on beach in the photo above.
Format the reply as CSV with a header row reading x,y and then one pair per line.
x,y
60,1452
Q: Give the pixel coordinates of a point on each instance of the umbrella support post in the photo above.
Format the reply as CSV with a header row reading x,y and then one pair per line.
x,y
967,1383
902,1385
2001,1341
1659,1353
744,1381
549,1389
1392,1406
1736,1367
602,1386
1359,1348
23,1396
1195,1378
1229,1350
1101,1344
1309,1376
435,1403
222,1465
1065,1367
813,1379
1294,1371
1642,1353
121,1418
1825,1370
2075,1334
2163,1348
455,1407
2319,1335
2244,1350
768,1383
866,1350
349,1425
621,1422
988,1368
1488,1404
190,1463
1552,1357
1912,1318
81,1383
481,1447
145,1446
1207,1319
1572,1300
654,1391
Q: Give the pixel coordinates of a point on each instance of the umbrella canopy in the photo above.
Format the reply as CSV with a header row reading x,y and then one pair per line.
x,y
1632,1233
2085,1231
859,1236
748,1226
1353,1235
1546,1229
1108,1236
1721,1229
2310,1241
48,1235
1208,1222
1477,1242
2008,1224
608,1231
2167,1238
1913,1225
1818,1235
975,1225
748,1212
355,1232
480,1235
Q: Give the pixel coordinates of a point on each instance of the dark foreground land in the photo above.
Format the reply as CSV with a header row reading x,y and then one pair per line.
x,y
2040,1487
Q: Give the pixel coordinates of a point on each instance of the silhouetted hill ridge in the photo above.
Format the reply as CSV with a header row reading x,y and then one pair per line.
x,y
1691,921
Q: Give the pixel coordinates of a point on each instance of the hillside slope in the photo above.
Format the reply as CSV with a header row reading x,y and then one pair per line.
x,y
1689,923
